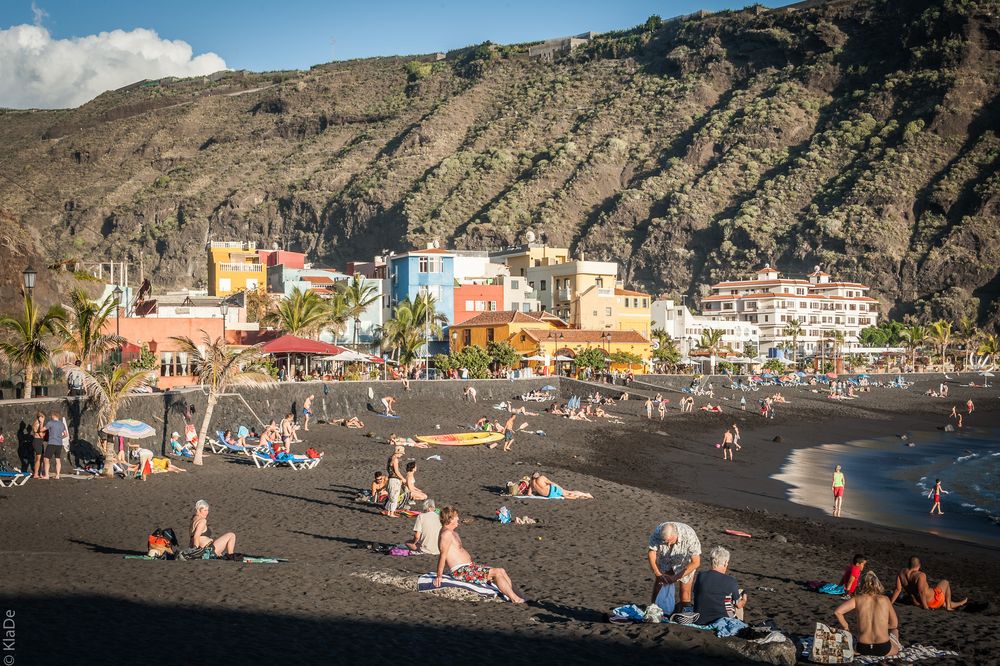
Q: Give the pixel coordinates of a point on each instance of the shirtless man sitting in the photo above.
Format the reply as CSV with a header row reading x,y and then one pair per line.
x,y
913,581
878,626
459,562
543,486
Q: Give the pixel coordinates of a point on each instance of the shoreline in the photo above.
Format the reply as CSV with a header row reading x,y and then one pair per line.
x,y
888,481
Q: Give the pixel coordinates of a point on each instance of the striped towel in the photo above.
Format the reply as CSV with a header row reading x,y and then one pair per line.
x,y
426,584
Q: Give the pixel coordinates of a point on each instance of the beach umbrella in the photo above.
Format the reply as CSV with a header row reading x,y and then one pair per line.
x,y
831,375
548,387
536,357
986,373
560,357
800,373
129,429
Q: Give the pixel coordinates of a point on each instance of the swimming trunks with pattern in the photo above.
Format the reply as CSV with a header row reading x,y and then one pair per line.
x,y
472,573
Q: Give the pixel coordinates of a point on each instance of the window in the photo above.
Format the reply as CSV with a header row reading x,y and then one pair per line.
x,y
599,282
470,305
727,306
489,335
252,284
522,274
607,312
645,302
467,337
527,307
492,306
515,284
225,284
541,286
430,264
515,306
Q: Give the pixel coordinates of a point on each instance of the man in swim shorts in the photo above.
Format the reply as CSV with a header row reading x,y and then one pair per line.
x,y
838,491
388,402
543,486
508,433
674,557
913,581
458,560
727,446
307,411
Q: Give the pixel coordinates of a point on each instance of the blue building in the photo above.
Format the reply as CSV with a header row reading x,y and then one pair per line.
x,y
419,272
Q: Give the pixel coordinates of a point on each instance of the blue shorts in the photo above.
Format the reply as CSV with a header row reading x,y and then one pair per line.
x,y
307,412
555,491
508,435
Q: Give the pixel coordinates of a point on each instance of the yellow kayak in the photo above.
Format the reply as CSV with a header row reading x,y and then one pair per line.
x,y
461,438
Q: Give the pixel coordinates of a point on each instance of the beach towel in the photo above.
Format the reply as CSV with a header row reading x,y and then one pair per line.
x,y
907,654
425,583
831,588
624,614
666,599
537,497
402,551
724,626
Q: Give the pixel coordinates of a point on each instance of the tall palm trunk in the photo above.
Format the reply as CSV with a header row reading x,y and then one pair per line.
x,y
199,451
29,376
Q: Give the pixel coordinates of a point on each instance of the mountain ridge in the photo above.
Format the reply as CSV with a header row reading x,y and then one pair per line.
x,y
860,135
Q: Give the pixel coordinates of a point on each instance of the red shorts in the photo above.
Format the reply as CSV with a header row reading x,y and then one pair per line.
x,y
472,573
938,599
838,491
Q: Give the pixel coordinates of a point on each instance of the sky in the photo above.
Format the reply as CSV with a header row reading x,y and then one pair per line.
x,y
62,53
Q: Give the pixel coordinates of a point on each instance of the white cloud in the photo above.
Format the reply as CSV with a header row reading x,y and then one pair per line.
x,y
37,71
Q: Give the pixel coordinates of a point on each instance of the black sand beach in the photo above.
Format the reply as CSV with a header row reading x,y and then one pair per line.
x,y
76,600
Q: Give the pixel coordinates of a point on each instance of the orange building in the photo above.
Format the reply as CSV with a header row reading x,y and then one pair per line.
x,y
474,299
175,366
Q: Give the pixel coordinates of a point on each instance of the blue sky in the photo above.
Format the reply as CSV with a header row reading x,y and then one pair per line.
x,y
294,34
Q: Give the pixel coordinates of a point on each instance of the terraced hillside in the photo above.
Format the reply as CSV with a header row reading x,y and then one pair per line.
x,y
861,135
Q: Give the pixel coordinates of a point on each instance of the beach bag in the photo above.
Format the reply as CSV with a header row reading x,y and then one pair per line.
x,y
665,599
161,542
312,453
831,647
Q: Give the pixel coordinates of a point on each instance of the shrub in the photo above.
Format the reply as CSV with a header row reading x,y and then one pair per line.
x,y
591,357
503,354
474,359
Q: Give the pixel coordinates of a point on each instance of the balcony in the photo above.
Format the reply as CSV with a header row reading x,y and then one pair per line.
x,y
227,267
564,295
605,292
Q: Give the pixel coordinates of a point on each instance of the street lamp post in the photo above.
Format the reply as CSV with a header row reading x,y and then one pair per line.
x,y
28,280
117,293
224,309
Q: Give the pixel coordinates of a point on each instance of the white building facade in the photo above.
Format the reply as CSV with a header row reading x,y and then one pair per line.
x,y
820,305
687,328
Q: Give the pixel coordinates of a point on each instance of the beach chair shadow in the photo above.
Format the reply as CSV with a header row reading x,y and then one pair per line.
x,y
495,490
311,500
356,543
106,550
562,613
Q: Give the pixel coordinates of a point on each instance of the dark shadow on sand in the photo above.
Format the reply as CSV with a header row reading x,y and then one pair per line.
x,y
106,550
317,638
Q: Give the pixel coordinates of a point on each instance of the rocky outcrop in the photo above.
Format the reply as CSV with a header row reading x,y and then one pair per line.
x,y
858,135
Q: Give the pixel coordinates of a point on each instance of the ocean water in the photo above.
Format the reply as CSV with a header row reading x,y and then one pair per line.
x,y
888,481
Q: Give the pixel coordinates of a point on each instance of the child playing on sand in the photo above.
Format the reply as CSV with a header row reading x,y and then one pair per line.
x,y
852,574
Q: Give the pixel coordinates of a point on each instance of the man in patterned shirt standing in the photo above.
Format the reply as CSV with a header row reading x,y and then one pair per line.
x,y
674,557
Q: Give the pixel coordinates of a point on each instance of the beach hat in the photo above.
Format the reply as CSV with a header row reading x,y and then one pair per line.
x,y
175,434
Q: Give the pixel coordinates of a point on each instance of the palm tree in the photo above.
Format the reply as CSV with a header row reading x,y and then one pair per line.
x,y
300,313
82,329
912,337
218,368
711,341
940,334
27,345
359,293
109,391
411,324
338,313
989,347
793,330
969,334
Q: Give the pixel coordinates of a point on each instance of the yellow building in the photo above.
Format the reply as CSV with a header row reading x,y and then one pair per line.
x,y
522,257
633,311
234,267
568,343
499,326
542,334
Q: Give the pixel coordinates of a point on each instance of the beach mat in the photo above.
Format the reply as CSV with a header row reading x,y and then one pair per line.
x,y
425,583
533,497
247,559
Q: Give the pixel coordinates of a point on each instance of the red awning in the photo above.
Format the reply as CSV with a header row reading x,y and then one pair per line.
x,y
289,344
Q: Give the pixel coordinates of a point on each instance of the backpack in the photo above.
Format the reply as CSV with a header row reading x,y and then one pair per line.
x,y
161,543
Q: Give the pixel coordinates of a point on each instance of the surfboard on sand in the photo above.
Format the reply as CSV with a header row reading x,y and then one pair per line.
x,y
461,438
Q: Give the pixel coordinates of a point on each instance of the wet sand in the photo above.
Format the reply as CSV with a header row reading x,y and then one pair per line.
x,y
77,600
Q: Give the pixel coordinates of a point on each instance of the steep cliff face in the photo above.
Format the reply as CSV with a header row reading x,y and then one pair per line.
x,y
861,135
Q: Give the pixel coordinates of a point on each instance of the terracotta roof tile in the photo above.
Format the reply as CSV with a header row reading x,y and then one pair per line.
x,y
572,335
628,292
499,318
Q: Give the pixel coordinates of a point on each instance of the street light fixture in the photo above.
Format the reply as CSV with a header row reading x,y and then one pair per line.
x,y
224,309
28,279
117,293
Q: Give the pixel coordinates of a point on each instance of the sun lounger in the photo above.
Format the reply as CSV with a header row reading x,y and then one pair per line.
x,y
299,462
13,479
262,460
222,446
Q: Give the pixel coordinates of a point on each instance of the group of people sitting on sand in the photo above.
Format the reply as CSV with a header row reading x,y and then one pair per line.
x,y
395,487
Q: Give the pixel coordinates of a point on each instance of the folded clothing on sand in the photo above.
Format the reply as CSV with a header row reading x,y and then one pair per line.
x,y
426,584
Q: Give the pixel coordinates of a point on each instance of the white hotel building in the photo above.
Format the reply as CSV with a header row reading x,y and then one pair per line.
x,y
820,305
